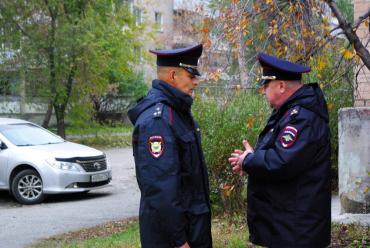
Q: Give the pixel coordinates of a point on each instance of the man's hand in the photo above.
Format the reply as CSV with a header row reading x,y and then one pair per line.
x,y
238,156
186,245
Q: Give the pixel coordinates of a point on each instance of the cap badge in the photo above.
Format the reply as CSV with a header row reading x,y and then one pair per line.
x,y
268,77
189,66
156,146
288,136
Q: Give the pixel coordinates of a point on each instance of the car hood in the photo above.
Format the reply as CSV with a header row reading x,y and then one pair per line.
x,y
64,150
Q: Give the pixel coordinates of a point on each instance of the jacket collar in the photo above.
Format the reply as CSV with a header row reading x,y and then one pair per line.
x,y
174,97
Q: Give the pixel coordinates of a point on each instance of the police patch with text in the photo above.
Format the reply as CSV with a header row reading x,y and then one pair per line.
x,y
156,146
288,136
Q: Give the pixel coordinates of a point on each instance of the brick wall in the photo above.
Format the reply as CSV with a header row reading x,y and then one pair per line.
x,y
362,93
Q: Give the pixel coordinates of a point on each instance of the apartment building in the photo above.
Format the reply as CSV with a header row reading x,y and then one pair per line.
x,y
157,17
362,94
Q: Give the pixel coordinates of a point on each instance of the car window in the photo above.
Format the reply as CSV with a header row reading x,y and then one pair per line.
x,y
27,134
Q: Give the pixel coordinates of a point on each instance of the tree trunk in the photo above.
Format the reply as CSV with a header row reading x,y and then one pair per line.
x,y
59,113
48,114
22,106
243,70
53,88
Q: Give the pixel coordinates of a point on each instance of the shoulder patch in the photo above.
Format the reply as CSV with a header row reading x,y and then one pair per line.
x,y
156,146
158,110
288,136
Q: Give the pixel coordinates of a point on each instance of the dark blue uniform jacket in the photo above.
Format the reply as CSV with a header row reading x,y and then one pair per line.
x,y
170,170
289,175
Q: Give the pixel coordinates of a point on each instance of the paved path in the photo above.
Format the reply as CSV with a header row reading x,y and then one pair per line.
x,y
23,225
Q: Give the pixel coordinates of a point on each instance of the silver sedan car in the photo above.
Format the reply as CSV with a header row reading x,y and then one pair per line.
x,y
35,162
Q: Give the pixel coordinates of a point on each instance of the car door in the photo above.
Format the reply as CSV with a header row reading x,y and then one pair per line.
x,y
3,167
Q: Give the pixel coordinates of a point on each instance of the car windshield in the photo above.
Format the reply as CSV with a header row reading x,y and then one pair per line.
x,y
27,134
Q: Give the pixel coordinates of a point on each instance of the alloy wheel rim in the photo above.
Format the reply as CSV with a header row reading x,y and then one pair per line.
x,y
30,187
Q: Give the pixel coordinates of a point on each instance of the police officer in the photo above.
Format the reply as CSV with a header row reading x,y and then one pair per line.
x,y
170,168
289,168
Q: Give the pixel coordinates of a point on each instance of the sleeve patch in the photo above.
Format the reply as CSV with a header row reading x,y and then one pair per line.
x,y
156,146
288,136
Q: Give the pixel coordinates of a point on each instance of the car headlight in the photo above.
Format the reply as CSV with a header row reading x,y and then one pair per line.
x,y
61,165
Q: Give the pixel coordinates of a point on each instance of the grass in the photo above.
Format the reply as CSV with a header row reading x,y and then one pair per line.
x,y
126,239
227,232
99,130
104,141
100,136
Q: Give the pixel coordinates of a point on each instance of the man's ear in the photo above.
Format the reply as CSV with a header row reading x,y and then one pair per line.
x,y
282,86
171,75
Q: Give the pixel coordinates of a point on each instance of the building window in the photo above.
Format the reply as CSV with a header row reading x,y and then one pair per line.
x,y
158,21
127,3
138,53
131,6
138,13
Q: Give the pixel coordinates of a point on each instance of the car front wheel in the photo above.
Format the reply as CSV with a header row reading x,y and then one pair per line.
x,y
27,187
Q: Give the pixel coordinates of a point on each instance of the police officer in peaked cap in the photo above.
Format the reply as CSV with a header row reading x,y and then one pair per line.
x,y
289,197
170,168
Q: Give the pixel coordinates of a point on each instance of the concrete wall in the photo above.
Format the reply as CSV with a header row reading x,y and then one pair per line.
x,y
354,159
10,107
362,94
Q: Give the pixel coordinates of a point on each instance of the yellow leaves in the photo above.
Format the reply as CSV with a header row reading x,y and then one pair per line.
x,y
325,20
273,28
366,22
237,87
330,106
207,43
227,189
243,22
366,190
347,54
269,2
306,32
321,65
250,121
205,30
291,8
215,75
269,49
249,42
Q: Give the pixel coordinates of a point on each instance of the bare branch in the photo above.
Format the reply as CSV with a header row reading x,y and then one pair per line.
x,y
361,19
351,35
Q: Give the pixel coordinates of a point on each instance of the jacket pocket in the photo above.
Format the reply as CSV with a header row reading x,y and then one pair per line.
x,y
186,152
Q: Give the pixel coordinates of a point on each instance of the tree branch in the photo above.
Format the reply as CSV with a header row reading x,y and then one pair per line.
x,y
361,19
351,35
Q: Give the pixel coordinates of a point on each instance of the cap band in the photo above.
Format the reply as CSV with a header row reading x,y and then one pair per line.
x,y
280,75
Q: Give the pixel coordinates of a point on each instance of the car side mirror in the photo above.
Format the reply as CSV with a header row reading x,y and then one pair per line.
x,y
2,145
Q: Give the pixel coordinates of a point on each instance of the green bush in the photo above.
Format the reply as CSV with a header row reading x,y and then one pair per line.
x,y
226,121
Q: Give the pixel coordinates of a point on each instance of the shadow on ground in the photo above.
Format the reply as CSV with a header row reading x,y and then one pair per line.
x,y
7,201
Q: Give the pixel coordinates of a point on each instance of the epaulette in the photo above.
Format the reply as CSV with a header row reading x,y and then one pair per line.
x,y
158,110
294,112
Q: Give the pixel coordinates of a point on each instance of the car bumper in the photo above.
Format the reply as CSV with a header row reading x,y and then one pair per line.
x,y
71,182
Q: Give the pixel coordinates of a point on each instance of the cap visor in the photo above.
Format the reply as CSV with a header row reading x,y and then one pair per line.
x,y
192,71
262,82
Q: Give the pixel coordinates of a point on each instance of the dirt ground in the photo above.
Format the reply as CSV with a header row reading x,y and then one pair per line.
x,y
342,235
